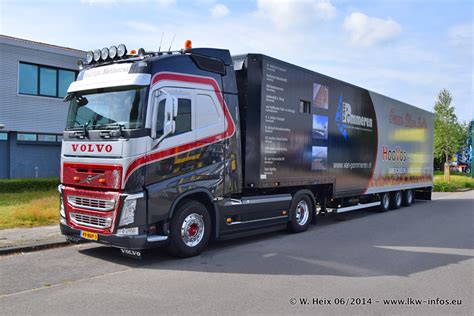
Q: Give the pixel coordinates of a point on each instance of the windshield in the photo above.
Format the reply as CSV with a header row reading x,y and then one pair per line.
x,y
107,108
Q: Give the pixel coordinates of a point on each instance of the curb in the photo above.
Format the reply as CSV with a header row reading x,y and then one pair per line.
x,y
33,247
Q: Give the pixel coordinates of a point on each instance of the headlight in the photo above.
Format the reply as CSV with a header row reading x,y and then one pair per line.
x,y
96,55
104,54
128,212
61,207
113,52
121,50
89,57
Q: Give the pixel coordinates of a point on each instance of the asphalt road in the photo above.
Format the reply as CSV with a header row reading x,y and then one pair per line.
x,y
422,252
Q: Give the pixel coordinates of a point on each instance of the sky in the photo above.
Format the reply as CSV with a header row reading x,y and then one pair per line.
x,y
406,49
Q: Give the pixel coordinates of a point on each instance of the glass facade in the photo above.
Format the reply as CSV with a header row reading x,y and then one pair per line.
x,y
44,80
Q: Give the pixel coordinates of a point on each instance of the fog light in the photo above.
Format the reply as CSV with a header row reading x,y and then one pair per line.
x,y
113,52
121,50
89,57
132,231
104,53
97,55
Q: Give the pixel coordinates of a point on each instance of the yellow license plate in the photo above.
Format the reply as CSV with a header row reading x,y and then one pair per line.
x,y
89,235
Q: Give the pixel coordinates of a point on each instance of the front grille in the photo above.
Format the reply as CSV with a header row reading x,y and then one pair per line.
x,y
91,221
90,203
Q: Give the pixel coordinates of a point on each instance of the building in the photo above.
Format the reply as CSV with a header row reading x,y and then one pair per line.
x,y
34,78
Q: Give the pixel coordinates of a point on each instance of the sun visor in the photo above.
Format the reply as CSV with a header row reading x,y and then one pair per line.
x,y
108,76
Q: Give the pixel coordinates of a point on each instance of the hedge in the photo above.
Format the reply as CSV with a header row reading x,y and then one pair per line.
x,y
19,185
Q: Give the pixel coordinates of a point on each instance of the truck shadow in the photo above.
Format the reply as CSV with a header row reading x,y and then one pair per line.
x,y
357,244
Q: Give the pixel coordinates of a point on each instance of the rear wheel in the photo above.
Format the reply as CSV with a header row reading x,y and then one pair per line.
x,y
301,213
384,202
190,230
395,200
407,198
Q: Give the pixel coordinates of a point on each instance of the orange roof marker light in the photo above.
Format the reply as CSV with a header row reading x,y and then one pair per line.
x,y
188,44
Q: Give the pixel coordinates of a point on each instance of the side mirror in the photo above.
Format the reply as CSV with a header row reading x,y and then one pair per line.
x,y
171,111
166,114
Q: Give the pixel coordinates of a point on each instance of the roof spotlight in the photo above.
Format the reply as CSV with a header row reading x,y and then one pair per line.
x,y
96,55
104,54
113,52
121,50
89,57
141,52
80,64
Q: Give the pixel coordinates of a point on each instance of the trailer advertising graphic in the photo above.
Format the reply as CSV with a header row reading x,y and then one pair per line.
x,y
404,144
314,126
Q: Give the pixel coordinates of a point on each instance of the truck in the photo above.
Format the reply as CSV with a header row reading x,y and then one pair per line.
x,y
177,148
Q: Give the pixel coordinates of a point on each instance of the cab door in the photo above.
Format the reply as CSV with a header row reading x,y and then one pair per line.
x,y
170,157
210,149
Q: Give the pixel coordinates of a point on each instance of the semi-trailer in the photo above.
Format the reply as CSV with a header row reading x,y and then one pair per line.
x,y
177,148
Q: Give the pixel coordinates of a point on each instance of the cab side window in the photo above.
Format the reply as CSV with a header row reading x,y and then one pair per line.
x,y
183,120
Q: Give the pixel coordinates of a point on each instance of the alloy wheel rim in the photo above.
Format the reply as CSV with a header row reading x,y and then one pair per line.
x,y
302,212
192,230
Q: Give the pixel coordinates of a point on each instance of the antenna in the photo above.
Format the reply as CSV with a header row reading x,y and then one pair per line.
x,y
169,49
161,41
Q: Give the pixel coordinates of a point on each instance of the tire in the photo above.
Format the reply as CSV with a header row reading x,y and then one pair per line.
x,y
301,213
384,202
395,200
407,199
190,230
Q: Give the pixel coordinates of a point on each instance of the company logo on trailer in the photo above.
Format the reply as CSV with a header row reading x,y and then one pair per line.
x,y
345,119
91,148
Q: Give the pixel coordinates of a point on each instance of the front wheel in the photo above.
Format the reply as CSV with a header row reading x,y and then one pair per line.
x,y
301,213
190,230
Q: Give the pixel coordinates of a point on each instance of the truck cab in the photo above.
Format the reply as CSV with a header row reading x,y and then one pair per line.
x,y
147,131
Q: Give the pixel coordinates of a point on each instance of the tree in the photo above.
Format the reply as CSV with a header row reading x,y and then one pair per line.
x,y
449,134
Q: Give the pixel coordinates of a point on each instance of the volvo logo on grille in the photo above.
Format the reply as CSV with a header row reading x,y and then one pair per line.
x,y
89,178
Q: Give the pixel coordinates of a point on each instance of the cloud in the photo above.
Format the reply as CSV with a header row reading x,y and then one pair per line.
x,y
219,10
142,26
287,14
461,34
366,31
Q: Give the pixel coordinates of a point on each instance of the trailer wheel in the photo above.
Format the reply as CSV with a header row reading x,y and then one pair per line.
x,y
384,202
407,198
190,230
301,213
395,200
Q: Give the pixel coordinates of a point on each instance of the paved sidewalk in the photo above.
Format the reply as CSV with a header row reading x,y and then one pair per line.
x,y
27,239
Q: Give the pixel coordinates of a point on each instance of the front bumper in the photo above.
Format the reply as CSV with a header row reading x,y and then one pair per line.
x,y
138,242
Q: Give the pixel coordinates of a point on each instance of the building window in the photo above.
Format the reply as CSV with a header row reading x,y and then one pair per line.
x,y
59,138
46,138
28,79
3,136
44,80
26,137
65,77
48,82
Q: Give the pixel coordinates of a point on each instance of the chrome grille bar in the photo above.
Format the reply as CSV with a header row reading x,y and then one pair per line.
x,y
91,203
91,221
